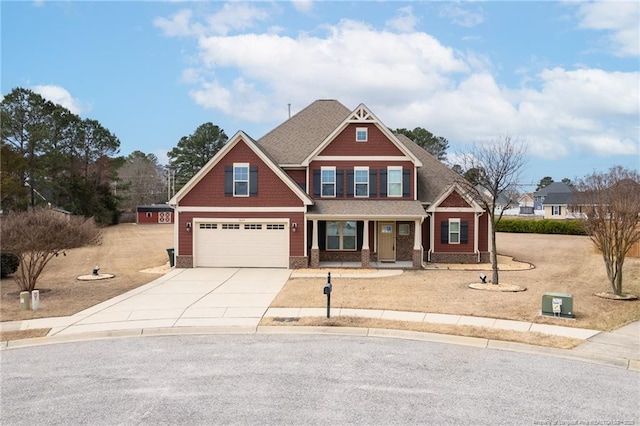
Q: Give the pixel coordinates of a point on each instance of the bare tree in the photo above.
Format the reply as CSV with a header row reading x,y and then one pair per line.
x,y
492,171
38,236
610,206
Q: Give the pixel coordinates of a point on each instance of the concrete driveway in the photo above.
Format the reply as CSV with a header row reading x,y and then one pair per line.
x,y
204,297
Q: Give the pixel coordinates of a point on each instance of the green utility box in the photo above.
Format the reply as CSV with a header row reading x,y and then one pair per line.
x,y
558,305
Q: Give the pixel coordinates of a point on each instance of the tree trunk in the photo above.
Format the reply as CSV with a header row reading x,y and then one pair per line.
x,y
494,255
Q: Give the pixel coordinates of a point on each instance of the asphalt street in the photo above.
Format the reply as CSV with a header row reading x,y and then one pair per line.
x,y
305,379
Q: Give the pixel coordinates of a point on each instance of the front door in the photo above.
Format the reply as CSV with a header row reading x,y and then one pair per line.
x,y
386,242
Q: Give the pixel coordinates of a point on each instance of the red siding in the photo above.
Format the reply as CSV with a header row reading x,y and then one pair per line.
x,y
483,232
299,176
272,191
453,248
377,144
296,239
373,165
142,217
454,200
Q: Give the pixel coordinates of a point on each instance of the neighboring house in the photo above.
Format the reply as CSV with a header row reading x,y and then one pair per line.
x,y
556,205
525,204
327,185
155,213
554,187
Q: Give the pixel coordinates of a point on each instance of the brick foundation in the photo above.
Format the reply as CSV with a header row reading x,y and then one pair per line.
x,y
298,262
184,261
466,258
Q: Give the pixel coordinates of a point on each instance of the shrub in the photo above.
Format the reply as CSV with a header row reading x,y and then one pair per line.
x,y
8,264
544,226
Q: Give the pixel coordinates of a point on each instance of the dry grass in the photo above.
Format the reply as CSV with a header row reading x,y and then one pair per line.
x,y
531,338
126,250
562,263
23,334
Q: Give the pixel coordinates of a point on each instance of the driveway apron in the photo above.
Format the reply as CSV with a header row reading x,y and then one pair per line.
x,y
230,297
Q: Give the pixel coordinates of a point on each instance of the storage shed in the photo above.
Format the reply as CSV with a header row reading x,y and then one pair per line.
x,y
155,213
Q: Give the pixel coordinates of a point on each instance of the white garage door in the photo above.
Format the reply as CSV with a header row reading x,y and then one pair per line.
x,y
244,244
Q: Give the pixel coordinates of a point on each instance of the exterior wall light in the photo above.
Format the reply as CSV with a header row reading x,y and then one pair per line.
x,y
188,226
294,226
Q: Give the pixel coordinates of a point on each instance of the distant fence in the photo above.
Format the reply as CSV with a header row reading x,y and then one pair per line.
x,y
634,251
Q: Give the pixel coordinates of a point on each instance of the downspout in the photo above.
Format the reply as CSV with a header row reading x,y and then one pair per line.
x,y
475,235
430,237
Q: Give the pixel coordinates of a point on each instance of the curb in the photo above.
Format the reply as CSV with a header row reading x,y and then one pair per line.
x,y
632,365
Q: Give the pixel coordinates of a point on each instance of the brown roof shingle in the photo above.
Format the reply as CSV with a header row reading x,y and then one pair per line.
x,y
292,141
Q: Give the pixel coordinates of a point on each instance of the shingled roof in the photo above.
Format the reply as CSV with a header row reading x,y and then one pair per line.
x,y
434,177
292,141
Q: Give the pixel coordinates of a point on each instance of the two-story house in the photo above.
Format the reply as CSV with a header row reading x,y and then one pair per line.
x,y
329,184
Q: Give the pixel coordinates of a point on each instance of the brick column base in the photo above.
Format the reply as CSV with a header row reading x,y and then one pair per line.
x,y
366,258
417,259
315,258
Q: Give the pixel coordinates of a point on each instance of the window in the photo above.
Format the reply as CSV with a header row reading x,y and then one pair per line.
x,y
404,229
361,134
328,181
275,226
230,226
208,226
252,226
341,235
394,181
361,181
149,214
454,231
241,180
556,210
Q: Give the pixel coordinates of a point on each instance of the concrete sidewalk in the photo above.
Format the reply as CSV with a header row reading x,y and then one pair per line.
x,y
234,300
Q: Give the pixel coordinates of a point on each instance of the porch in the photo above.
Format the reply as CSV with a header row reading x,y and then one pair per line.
x,y
402,264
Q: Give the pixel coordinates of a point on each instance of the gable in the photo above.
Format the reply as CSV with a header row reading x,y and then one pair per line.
x,y
271,191
454,200
216,178
377,143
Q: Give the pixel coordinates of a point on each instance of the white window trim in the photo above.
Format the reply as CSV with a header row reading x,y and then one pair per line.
x,y
459,233
322,182
356,183
239,165
389,169
341,236
555,210
366,134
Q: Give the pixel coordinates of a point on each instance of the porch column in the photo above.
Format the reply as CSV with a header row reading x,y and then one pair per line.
x,y
417,244
315,249
365,252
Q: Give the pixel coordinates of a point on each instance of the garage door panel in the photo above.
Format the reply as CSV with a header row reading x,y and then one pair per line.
x,y
259,244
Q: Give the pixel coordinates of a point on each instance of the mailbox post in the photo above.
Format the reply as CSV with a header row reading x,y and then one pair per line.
x,y
327,291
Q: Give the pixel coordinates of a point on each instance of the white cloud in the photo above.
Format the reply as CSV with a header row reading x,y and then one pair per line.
x,y
404,21
619,18
232,16
60,95
410,79
304,6
461,16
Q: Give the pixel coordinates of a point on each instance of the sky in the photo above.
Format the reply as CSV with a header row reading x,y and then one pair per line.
x,y
562,77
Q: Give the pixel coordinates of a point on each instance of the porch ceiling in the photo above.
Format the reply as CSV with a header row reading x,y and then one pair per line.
x,y
371,209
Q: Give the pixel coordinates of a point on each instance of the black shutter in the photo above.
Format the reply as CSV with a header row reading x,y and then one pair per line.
x,y
253,181
322,235
316,183
464,232
406,182
444,232
228,181
560,210
359,234
340,183
383,182
373,177
349,183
